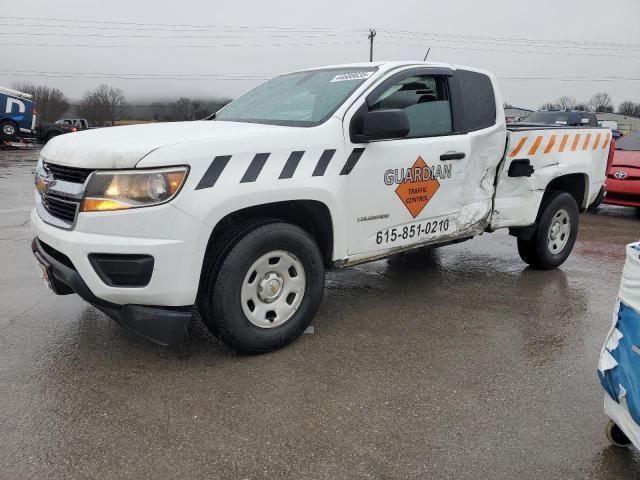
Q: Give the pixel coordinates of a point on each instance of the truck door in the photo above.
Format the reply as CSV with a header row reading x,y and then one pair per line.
x,y
407,191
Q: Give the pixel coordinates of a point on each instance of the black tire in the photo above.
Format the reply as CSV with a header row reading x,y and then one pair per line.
x,y
220,298
217,251
9,129
596,203
541,252
615,435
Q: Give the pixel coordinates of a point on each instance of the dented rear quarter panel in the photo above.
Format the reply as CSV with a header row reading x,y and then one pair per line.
x,y
553,153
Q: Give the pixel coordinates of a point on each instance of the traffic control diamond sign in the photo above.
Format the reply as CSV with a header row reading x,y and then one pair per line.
x,y
418,187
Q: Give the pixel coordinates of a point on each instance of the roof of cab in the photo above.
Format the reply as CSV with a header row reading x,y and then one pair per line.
x,y
379,65
386,66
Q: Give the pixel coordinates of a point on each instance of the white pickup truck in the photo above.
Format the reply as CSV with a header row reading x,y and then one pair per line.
x,y
238,216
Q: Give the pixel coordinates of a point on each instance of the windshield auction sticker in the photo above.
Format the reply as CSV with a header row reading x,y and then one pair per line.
x,y
343,77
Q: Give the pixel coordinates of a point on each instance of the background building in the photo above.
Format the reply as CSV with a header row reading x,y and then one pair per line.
x,y
626,123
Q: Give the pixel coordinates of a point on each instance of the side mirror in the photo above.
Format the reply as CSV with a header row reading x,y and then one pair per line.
x,y
385,124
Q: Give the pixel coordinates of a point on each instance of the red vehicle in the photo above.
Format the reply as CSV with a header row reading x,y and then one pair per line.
x,y
623,178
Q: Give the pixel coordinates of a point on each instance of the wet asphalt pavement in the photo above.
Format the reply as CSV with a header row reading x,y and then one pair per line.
x,y
460,364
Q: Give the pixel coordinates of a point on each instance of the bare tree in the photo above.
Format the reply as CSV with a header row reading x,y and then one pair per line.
x,y
629,108
549,106
103,104
51,102
567,103
187,109
601,102
581,107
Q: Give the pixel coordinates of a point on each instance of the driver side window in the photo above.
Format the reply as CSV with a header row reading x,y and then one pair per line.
x,y
425,100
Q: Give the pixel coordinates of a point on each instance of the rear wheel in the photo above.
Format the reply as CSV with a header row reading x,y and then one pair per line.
x,y
555,235
266,287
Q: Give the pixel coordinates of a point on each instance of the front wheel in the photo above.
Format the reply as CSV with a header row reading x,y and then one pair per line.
x,y
9,129
266,290
555,235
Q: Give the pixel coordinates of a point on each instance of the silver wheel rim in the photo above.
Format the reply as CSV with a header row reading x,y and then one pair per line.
x,y
9,129
559,231
273,289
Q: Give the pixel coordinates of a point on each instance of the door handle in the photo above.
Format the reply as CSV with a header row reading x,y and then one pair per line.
x,y
452,156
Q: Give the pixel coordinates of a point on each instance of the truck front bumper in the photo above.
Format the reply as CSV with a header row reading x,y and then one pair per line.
x,y
163,325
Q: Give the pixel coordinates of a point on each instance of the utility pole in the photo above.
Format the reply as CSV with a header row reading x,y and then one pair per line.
x,y
372,34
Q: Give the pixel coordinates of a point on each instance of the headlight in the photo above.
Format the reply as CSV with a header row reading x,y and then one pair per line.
x,y
118,190
40,184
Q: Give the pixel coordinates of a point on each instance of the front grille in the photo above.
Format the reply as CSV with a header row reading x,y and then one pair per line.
x,y
58,202
60,207
67,174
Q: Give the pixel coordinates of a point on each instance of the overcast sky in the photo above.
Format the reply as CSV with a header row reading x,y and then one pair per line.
x,y
216,49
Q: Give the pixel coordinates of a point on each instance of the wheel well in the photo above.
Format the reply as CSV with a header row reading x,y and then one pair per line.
x,y
574,184
310,215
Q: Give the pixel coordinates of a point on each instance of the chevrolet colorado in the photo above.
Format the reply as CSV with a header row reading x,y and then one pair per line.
x,y
237,217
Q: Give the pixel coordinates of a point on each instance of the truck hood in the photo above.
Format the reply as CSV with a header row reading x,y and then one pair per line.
x,y
124,147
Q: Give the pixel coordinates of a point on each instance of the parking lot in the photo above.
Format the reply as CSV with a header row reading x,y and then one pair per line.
x,y
459,363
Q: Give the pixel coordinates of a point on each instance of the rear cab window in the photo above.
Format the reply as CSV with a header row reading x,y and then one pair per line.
x,y
479,99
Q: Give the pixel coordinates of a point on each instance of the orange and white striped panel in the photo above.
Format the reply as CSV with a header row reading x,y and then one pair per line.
x,y
534,143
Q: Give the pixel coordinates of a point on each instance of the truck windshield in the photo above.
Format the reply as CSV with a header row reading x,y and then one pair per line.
x,y
303,99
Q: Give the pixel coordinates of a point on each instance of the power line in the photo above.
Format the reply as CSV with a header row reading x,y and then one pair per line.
x,y
301,34
170,37
526,52
514,39
314,44
106,22
304,29
194,29
436,38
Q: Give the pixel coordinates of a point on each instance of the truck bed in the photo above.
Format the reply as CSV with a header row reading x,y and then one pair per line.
x,y
578,154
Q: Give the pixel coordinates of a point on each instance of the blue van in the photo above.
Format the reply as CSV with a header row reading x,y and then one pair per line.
x,y
17,113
